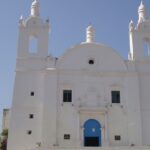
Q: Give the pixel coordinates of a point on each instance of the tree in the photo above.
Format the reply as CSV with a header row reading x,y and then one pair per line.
x,y
5,133
4,144
3,141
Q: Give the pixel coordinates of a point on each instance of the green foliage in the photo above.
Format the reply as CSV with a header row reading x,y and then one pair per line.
x,y
3,139
4,144
5,133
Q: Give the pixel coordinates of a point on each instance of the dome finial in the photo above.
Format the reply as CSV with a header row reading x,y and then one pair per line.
x,y
141,2
21,21
35,8
131,26
142,12
90,34
141,5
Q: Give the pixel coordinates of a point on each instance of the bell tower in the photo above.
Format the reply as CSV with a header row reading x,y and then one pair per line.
x,y
33,34
28,95
139,36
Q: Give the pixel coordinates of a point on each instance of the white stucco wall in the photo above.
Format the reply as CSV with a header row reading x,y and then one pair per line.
x,y
91,86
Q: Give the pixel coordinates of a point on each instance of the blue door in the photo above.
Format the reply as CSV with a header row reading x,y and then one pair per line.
x,y
92,133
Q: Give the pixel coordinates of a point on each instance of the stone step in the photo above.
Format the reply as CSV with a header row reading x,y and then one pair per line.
x,y
96,148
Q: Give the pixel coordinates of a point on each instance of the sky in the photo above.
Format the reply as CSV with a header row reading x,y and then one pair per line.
x,y
68,22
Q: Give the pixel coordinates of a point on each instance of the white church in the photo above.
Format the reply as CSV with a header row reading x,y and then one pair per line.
x,y
89,98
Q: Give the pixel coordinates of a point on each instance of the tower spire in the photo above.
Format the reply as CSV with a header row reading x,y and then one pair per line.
x,y
90,34
142,12
35,8
131,26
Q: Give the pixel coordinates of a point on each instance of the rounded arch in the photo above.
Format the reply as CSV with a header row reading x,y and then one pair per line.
x,y
103,58
92,133
94,121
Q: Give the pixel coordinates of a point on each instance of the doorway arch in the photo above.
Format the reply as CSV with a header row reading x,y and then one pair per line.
x,y
92,133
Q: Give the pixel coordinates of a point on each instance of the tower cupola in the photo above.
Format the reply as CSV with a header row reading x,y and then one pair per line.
x,y
142,13
33,34
35,8
90,34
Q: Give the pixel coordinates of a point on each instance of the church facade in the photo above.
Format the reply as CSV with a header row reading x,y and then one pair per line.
x,y
89,97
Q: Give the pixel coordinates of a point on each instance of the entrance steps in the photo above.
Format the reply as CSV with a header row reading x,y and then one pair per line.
x,y
97,148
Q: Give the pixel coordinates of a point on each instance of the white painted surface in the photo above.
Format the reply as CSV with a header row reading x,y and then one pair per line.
x,y
91,87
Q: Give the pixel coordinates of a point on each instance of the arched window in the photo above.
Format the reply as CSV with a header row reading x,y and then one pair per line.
x,y
146,47
33,45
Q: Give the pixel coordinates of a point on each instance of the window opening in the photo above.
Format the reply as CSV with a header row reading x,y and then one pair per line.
x,y
67,136
67,95
146,47
31,116
33,45
32,93
29,132
91,62
115,95
117,137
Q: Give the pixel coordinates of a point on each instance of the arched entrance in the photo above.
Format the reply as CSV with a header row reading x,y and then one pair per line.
x,y
92,133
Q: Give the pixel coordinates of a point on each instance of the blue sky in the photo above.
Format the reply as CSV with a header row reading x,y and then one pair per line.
x,y
68,21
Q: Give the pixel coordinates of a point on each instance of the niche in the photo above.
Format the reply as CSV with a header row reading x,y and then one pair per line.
x,y
33,45
146,47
